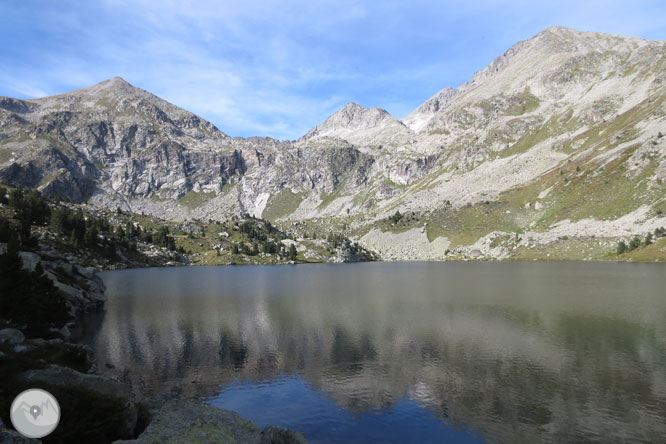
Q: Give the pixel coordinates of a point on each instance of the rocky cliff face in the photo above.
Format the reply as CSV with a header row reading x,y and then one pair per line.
x,y
561,136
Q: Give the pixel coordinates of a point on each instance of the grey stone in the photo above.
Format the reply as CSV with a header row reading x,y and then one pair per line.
x,y
11,336
475,253
30,260
183,421
12,437
63,376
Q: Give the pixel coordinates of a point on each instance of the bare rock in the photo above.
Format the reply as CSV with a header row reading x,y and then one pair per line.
x,y
11,336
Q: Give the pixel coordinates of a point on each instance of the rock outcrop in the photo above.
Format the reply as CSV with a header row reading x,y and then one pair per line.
x,y
99,385
183,421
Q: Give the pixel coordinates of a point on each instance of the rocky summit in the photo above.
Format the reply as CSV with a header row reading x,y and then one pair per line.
x,y
554,150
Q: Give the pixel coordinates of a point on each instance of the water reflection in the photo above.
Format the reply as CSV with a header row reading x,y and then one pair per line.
x,y
520,351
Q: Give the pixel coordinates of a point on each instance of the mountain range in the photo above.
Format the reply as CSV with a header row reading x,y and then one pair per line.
x,y
554,150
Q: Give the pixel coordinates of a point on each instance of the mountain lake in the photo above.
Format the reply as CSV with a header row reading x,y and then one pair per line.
x,y
398,352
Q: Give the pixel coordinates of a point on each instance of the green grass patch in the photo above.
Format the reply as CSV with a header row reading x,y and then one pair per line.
x,y
5,154
565,249
465,225
651,253
282,204
527,102
195,199
605,195
553,127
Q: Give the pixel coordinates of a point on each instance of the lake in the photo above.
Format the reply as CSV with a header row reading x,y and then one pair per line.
x,y
402,352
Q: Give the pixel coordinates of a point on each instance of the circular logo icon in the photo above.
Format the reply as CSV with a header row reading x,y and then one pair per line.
x,y
35,413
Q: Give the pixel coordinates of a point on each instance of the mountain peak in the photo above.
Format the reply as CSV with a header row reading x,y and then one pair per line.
x,y
112,85
559,30
115,81
357,124
352,106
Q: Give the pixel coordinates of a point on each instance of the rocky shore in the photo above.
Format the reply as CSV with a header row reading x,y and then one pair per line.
x,y
96,408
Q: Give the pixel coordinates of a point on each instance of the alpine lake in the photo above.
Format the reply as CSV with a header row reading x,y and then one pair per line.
x,y
401,352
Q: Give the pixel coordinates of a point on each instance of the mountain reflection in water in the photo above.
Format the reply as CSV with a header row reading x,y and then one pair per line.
x,y
515,352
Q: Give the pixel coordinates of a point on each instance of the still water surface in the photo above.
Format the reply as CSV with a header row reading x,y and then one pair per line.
x,y
402,352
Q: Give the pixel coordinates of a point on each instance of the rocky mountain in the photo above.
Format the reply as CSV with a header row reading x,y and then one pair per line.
x,y
554,150
363,126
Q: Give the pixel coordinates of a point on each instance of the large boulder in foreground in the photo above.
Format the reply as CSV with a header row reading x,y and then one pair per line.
x,y
182,421
86,398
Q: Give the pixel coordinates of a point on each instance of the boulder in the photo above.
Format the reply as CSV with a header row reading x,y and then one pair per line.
x,y
475,254
57,375
30,260
11,336
12,437
63,376
184,421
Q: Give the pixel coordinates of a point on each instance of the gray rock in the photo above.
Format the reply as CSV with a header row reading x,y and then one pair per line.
x,y
182,421
8,436
11,336
12,437
30,260
63,376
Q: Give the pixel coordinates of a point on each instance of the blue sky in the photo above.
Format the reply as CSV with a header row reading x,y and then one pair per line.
x,y
278,68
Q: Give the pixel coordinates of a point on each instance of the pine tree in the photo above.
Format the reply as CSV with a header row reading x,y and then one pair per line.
x,y
90,238
635,243
58,219
292,252
621,247
5,229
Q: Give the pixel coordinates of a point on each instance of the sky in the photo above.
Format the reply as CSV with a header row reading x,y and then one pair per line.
x,y
279,68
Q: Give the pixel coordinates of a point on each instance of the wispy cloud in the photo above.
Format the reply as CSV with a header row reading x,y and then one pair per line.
x,y
280,67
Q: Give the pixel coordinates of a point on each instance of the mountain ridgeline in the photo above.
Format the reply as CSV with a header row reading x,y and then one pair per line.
x,y
555,150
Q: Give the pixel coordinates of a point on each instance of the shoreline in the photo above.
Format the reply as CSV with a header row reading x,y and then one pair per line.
x,y
56,361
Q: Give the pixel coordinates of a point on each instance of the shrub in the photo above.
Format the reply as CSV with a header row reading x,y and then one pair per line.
x,y
635,243
395,218
648,239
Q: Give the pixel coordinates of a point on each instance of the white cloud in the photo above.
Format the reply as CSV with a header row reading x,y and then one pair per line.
x,y
280,67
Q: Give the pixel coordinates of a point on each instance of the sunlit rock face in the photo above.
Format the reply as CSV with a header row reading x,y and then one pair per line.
x,y
576,113
514,350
